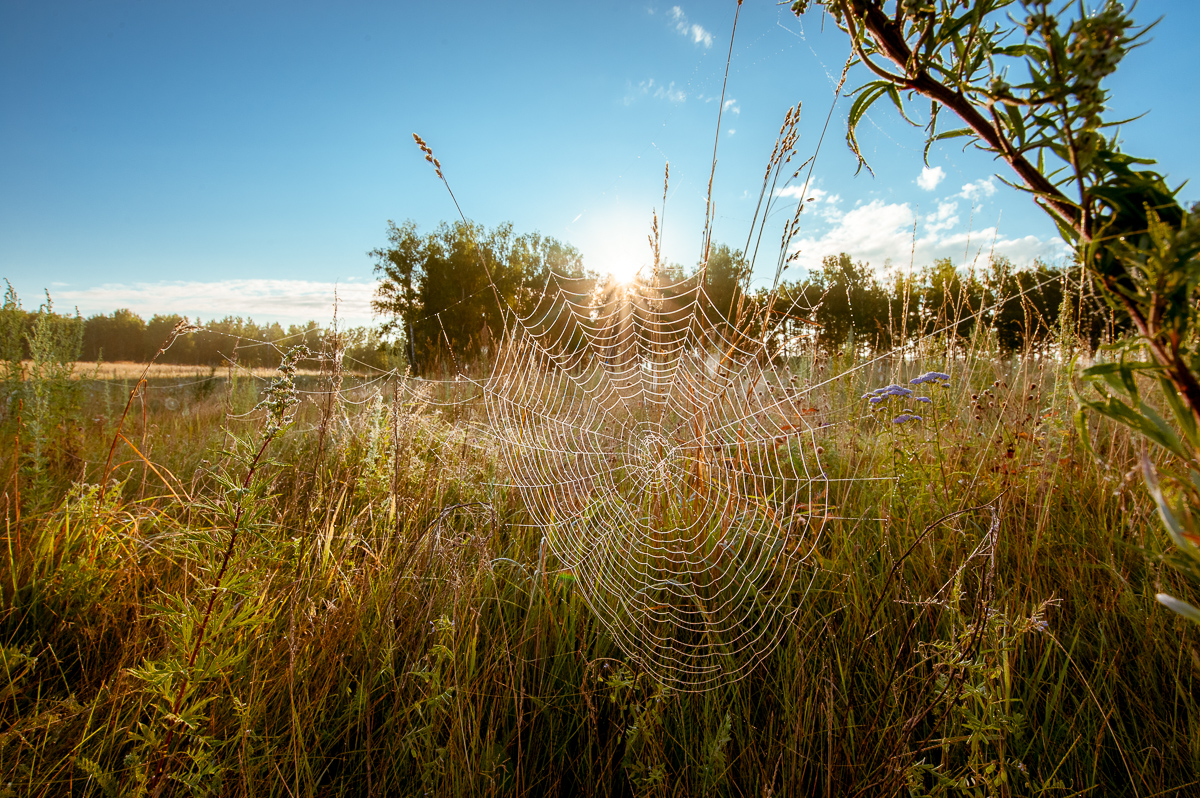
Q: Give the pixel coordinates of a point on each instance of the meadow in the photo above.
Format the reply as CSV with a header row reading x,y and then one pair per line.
x,y
389,621
228,581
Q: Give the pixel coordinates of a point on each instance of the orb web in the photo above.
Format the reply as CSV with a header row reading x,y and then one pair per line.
x,y
671,463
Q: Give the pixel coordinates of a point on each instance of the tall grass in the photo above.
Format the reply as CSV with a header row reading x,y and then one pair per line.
x,y
980,622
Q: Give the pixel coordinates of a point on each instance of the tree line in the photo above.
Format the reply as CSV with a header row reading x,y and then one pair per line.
x,y
125,336
1028,309
445,295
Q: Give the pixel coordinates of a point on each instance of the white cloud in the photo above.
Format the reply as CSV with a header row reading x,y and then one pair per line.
x,y
670,93
871,232
285,301
797,191
831,209
945,218
732,131
930,178
732,107
697,34
827,206
879,231
978,189
656,90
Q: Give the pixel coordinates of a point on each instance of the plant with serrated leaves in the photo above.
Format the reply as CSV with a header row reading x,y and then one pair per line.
x,y
1029,89
974,669
433,713
716,761
51,396
12,329
374,434
242,507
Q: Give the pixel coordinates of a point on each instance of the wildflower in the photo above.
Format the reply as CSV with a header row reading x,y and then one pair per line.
x,y
890,390
930,376
906,417
281,395
924,399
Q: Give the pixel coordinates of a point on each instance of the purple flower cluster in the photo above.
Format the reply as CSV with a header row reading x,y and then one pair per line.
x,y
880,395
936,377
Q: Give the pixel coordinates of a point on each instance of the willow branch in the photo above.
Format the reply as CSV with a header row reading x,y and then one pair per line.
x,y
890,42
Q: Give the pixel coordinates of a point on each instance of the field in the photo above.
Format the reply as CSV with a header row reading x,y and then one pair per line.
x,y
126,370
389,622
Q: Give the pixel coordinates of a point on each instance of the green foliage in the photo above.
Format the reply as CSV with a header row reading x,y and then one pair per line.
x,y
724,276
12,344
124,336
852,305
118,336
1021,310
962,55
440,291
973,680
49,394
1117,395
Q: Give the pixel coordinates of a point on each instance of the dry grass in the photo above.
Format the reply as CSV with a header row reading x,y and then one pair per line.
x,y
128,370
391,624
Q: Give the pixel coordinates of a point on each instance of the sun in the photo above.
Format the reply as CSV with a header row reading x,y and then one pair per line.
x,y
624,272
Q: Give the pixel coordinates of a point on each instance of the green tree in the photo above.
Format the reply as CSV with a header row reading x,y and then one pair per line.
x,y
949,302
400,266
158,332
723,279
119,336
443,291
904,306
1025,305
853,306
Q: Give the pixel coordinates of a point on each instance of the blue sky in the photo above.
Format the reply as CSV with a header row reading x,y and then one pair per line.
x,y
242,158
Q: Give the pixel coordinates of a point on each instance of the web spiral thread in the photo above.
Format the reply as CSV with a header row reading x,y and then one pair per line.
x,y
672,465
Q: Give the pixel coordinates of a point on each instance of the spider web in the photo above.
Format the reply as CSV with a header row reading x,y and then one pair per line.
x,y
666,453
671,463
